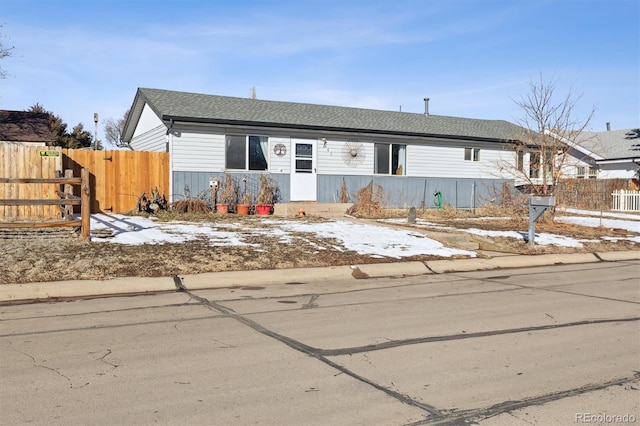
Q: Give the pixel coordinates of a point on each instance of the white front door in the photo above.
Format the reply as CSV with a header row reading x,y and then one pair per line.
x,y
303,170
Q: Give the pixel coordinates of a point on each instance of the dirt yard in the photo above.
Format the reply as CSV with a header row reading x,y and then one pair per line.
x,y
52,256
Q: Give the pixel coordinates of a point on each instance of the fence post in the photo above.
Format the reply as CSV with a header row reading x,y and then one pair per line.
x,y
68,193
85,209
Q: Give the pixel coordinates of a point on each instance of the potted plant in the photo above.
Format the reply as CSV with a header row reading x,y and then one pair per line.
x,y
229,195
266,195
245,204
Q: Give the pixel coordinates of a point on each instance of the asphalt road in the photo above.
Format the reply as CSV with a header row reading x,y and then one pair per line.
x,y
545,345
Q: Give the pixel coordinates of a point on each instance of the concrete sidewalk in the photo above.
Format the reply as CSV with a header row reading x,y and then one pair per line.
x,y
137,285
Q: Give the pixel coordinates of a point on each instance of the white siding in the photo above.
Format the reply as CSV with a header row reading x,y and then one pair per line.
x,y
276,163
498,163
617,171
148,121
332,162
152,140
197,151
448,161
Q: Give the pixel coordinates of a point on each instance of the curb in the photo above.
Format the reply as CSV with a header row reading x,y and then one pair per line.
x,y
84,288
467,265
140,285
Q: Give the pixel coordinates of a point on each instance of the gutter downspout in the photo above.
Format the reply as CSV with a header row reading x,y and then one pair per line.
x,y
169,148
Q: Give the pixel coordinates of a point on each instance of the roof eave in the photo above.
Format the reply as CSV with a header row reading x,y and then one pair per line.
x,y
619,160
249,123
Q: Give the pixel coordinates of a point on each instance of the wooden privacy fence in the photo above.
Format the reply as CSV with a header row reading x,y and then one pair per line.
x,y
626,201
589,194
118,178
65,200
19,161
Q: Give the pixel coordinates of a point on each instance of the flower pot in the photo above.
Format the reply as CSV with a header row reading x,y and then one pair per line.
x,y
222,208
243,209
263,209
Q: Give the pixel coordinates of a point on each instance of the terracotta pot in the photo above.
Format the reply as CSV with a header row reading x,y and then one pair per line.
x,y
263,209
243,209
222,208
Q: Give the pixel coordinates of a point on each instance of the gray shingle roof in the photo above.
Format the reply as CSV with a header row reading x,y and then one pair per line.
x,y
612,144
221,109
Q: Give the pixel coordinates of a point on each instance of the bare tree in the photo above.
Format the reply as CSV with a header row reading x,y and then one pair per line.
x,y
4,53
550,131
114,130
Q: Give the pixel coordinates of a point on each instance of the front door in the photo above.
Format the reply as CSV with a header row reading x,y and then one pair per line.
x,y
303,170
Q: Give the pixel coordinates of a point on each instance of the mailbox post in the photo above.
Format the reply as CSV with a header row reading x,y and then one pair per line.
x,y
537,205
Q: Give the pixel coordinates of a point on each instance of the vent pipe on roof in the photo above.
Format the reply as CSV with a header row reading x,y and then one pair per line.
x,y
426,106
253,92
608,126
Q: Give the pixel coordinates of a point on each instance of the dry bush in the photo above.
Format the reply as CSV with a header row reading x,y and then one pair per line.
x,y
190,206
369,201
344,194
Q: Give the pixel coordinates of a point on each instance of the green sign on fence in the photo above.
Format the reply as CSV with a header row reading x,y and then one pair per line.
x,y
44,153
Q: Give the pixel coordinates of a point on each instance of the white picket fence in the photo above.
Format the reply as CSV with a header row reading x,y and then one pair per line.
x,y
626,201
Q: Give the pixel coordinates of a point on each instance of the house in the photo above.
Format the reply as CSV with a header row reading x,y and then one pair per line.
x,y
613,154
32,128
315,151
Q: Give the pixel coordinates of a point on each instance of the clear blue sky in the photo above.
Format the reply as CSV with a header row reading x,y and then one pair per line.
x,y
472,58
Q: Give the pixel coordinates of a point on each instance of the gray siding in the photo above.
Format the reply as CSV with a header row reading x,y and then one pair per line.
x,y
333,160
417,192
279,164
398,191
152,140
197,150
198,183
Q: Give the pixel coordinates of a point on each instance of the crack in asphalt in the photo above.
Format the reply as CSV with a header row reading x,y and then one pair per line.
x,y
104,311
553,289
103,327
311,303
462,336
436,416
466,417
434,413
103,359
35,364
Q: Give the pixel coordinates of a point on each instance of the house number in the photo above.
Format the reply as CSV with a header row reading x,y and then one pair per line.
x,y
279,150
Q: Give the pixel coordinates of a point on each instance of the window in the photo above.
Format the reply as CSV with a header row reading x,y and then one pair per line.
x,y
534,165
390,159
586,173
520,161
246,152
472,154
304,158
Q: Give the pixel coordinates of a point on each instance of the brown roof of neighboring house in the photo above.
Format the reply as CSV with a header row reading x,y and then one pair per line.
x,y
25,126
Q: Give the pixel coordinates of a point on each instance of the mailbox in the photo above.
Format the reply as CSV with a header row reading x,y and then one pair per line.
x,y
537,205
542,200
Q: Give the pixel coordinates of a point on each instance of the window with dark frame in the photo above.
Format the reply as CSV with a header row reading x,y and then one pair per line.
x,y
390,159
246,152
472,154
534,165
520,161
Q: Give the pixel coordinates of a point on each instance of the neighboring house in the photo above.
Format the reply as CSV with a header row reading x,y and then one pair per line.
x,y
614,154
313,151
32,128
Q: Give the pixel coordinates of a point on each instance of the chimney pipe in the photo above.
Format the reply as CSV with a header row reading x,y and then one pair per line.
x,y
608,126
426,106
